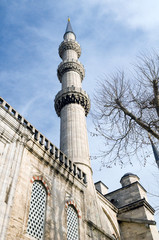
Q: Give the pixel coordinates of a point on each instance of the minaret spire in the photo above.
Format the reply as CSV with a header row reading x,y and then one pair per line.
x,y
69,27
72,104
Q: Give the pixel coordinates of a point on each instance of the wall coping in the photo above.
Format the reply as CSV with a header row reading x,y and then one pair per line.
x,y
46,145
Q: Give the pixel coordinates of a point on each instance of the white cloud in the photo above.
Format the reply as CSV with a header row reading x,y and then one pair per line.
x,y
138,14
141,14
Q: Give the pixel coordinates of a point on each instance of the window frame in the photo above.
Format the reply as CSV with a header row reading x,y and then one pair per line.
x,y
74,206
29,207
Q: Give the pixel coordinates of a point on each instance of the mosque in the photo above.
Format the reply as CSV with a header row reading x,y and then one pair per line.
x,y
48,193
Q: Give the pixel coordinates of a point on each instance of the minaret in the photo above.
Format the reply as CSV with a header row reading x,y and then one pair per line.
x,y
72,104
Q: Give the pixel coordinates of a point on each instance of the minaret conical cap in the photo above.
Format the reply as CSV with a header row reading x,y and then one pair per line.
x,y
69,28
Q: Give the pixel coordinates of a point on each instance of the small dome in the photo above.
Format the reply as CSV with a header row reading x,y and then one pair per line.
x,y
129,174
129,178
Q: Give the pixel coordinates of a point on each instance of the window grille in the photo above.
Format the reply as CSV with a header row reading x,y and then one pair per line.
x,y
72,223
36,218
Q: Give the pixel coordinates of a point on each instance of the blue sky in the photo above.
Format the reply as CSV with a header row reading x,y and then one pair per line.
x,y
111,34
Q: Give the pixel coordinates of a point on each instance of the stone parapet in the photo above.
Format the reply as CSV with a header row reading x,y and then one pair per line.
x,y
72,95
127,195
54,154
69,44
73,65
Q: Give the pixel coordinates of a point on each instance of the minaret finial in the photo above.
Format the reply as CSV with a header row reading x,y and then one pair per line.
x,y
69,28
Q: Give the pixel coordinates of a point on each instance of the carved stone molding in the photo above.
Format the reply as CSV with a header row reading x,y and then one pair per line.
x,y
70,66
72,95
69,44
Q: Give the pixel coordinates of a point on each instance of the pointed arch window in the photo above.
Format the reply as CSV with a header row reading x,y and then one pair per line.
x,y
72,223
36,219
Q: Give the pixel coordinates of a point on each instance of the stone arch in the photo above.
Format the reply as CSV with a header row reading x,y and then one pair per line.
x,y
73,203
40,178
112,223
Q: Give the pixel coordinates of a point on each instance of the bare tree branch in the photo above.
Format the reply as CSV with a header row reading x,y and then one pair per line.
x,y
127,109
137,120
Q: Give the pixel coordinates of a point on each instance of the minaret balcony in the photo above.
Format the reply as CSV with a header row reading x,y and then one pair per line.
x,y
70,65
69,44
72,95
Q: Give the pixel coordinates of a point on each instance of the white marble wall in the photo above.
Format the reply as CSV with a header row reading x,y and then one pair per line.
x,y
11,151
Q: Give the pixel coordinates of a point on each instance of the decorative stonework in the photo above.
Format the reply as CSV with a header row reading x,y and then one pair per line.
x,y
70,66
72,202
40,178
72,95
69,44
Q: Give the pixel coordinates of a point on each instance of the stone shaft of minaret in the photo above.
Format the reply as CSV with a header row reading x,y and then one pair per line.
x,y
72,104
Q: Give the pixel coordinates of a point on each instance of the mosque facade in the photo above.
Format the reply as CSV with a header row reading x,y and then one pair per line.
x,y
48,193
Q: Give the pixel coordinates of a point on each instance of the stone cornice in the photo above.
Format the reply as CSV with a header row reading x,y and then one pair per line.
x,y
72,95
137,204
73,65
58,161
136,220
69,44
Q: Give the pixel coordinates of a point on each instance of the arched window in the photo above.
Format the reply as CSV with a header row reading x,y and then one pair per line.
x,y
72,223
36,218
